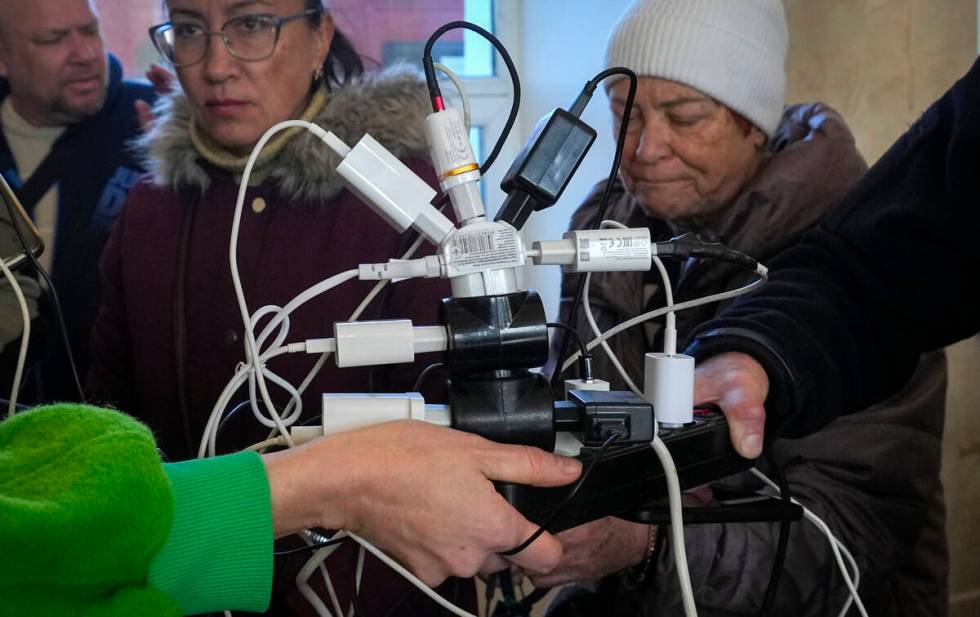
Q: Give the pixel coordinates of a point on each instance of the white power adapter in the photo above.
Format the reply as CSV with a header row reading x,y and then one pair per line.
x,y
668,385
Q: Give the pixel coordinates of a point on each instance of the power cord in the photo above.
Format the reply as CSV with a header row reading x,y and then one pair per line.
x,y
577,108
62,328
24,339
311,547
435,94
585,366
424,375
836,546
781,545
567,500
761,272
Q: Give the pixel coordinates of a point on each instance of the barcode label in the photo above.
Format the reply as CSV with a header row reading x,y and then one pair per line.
x,y
490,246
473,243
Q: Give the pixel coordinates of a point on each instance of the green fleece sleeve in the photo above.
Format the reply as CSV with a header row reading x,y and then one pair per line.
x,y
92,524
219,552
84,507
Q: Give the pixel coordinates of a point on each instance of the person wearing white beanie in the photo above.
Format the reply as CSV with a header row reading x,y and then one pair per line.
x,y
710,148
732,50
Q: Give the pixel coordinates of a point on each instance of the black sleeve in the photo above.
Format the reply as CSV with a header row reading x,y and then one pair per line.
x,y
892,272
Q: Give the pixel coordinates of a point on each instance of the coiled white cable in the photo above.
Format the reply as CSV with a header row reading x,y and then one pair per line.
x,y
254,369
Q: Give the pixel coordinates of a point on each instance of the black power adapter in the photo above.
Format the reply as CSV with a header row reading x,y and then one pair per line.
x,y
542,170
593,416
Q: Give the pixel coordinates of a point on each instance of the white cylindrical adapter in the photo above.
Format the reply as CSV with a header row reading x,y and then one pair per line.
x,y
452,156
668,385
449,142
347,412
393,341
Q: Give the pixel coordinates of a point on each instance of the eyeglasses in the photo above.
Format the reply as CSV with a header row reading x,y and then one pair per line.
x,y
247,37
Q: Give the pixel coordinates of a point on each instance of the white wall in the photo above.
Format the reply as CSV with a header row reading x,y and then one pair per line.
x,y
562,46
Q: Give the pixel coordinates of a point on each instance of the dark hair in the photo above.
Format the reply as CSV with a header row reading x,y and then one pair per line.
x,y
342,63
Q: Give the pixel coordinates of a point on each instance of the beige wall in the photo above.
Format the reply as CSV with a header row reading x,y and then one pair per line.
x,y
881,63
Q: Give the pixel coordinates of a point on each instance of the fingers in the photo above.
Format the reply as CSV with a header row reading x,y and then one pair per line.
x,y
542,555
161,78
527,465
492,565
144,114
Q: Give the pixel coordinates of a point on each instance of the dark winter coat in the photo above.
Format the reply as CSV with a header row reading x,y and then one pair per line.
x,y
92,185
889,273
170,323
873,477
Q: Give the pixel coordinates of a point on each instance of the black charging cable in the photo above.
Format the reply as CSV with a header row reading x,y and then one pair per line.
x,y
568,498
435,94
779,562
585,359
54,298
424,375
576,109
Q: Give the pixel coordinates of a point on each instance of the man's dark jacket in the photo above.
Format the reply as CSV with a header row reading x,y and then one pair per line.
x,y
891,272
92,187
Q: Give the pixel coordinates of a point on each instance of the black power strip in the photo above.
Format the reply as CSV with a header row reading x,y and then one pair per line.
x,y
630,479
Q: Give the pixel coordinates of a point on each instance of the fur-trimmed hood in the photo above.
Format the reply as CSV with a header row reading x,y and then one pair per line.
x,y
390,105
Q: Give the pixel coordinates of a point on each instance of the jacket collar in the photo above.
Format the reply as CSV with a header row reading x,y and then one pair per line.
x,y
391,106
813,162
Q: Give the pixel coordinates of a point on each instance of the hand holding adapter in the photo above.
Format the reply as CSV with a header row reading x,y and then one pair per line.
x,y
420,492
738,385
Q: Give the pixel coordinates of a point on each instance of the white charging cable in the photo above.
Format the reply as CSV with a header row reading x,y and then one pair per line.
x,y
255,369
24,339
836,546
659,448
458,84
725,295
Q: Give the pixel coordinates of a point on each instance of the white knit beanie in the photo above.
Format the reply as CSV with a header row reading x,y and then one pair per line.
x,y
732,50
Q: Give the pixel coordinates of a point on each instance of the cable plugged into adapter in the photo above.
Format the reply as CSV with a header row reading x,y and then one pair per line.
x,y
388,186
668,385
597,250
691,245
594,416
454,161
542,170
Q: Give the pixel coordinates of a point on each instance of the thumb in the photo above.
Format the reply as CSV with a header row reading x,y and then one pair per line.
x,y
542,555
746,425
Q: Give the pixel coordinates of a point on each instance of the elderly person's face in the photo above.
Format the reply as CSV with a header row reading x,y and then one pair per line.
x,y
235,101
52,55
685,157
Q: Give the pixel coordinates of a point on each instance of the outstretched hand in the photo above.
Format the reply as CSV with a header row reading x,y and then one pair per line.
x,y
420,492
737,384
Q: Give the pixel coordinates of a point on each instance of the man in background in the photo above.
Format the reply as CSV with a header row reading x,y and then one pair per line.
x,y
66,116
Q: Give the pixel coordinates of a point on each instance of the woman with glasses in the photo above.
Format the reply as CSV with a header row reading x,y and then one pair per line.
x,y
169,335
